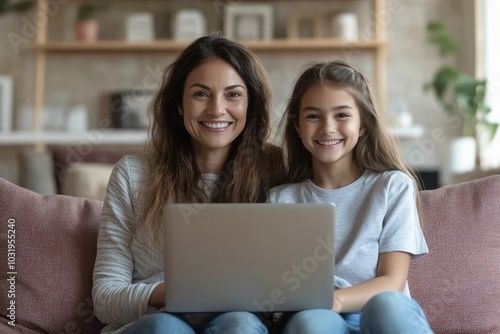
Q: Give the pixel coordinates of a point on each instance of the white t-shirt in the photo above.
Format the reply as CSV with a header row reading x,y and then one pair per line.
x,y
375,214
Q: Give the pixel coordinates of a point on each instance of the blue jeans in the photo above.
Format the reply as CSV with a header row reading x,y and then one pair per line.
x,y
386,313
226,323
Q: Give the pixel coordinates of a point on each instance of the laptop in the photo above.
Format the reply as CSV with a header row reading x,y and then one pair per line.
x,y
248,257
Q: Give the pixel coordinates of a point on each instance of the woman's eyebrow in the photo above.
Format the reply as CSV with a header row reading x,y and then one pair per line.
x,y
208,88
233,87
200,85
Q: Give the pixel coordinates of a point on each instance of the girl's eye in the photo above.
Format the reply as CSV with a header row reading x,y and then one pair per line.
x,y
200,94
312,116
342,115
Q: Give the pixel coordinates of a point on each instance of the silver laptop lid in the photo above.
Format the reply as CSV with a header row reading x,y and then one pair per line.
x,y
252,257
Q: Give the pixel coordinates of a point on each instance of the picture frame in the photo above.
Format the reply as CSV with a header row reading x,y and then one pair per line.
x,y
188,24
6,98
304,25
249,22
140,27
129,108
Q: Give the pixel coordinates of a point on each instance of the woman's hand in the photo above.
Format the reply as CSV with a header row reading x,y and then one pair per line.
x,y
157,298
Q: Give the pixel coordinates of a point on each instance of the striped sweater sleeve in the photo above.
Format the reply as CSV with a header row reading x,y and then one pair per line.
x,y
117,300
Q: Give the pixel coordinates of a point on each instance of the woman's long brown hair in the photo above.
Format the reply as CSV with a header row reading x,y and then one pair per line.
x,y
253,164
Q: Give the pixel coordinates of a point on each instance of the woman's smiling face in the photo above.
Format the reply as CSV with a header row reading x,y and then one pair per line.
x,y
214,105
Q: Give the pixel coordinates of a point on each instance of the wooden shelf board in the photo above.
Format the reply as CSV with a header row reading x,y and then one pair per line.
x,y
169,45
123,137
92,137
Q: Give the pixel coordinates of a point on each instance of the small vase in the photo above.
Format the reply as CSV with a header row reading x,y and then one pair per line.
x,y
461,155
345,26
86,31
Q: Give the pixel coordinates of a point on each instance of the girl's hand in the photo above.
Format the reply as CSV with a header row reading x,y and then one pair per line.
x,y
157,298
392,272
338,300
336,303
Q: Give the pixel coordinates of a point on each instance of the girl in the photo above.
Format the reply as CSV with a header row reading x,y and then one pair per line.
x,y
210,126
340,152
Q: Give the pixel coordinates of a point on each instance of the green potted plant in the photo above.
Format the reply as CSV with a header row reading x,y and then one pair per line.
x,y
460,94
86,25
7,6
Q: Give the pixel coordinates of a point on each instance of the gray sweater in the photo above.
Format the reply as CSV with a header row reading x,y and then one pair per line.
x,y
127,269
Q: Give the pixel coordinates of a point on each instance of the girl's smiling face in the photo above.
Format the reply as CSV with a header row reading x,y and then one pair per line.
x,y
329,124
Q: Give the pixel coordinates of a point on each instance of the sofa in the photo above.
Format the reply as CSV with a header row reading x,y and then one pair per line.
x,y
48,247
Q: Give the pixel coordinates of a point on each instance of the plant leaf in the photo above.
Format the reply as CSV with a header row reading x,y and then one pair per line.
x,y
492,130
470,94
19,7
435,26
444,79
439,36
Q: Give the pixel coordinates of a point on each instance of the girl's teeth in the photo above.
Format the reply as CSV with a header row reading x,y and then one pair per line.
x,y
330,142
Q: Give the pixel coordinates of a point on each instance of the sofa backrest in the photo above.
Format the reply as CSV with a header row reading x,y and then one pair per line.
x,y
49,246
458,282
47,258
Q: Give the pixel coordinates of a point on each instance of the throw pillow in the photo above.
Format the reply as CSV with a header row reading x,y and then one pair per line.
x,y
47,255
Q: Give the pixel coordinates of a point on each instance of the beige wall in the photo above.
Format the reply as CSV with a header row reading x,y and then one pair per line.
x,y
74,78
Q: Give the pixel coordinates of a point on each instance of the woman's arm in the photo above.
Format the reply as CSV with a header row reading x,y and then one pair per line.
x,y
116,299
157,298
392,272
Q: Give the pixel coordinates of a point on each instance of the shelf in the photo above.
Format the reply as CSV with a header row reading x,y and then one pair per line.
x,y
411,132
177,46
92,137
43,47
124,137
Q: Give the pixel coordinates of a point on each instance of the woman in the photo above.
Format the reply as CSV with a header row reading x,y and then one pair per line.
x,y
210,126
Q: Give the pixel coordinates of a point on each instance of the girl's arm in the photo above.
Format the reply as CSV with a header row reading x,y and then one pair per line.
x,y
392,272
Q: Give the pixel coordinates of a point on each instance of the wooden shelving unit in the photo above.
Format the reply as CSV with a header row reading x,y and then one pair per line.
x,y
279,45
43,47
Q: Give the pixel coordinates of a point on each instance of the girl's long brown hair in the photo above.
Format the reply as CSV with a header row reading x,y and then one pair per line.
x,y
376,150
253,165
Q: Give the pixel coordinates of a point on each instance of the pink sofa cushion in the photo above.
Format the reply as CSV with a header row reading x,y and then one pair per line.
x,y
458,282
55,249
